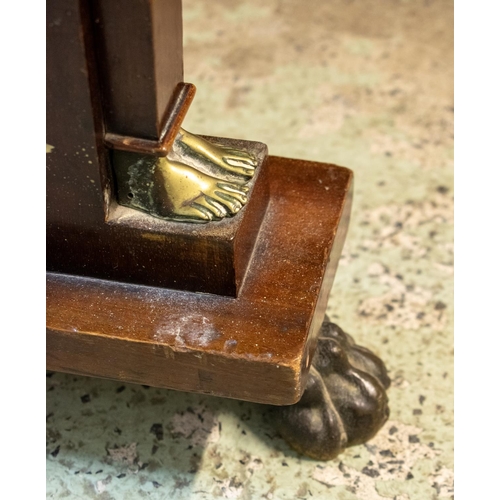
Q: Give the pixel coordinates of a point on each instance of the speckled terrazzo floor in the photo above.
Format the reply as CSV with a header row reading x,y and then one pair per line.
x,y
367,85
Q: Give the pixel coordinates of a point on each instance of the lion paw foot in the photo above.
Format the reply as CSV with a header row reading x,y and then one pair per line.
x,y
344,403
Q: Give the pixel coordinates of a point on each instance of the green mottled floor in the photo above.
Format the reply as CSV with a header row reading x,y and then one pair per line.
x,y
367,85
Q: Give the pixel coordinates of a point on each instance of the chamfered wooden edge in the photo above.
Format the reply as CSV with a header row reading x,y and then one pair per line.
x,y
257,347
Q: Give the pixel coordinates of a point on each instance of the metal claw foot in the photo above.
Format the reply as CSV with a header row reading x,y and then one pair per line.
x,y
344,403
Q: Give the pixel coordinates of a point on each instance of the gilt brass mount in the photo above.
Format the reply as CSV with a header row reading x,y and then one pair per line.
x,y
198,181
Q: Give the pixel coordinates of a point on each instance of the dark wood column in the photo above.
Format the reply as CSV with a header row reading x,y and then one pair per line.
x,y
77,175
139,56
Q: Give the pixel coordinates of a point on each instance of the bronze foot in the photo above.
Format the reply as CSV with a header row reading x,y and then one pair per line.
x,y
344,403
189,193
198,181
219,160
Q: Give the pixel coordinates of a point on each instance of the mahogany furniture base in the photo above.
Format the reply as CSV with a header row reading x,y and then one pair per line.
x,y
256,347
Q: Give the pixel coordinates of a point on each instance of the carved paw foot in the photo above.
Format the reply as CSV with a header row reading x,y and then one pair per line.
x,y
344,403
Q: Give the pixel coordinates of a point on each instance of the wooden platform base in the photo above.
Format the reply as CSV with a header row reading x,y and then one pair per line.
x,y
256,347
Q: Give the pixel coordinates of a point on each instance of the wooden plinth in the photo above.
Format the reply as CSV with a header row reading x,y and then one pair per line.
x,y
209,258
256,347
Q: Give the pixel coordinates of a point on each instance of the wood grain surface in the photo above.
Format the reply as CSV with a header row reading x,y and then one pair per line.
x,y
255,347
138,48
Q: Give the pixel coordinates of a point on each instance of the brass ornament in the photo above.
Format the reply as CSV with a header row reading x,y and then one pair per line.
x,y
198,180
